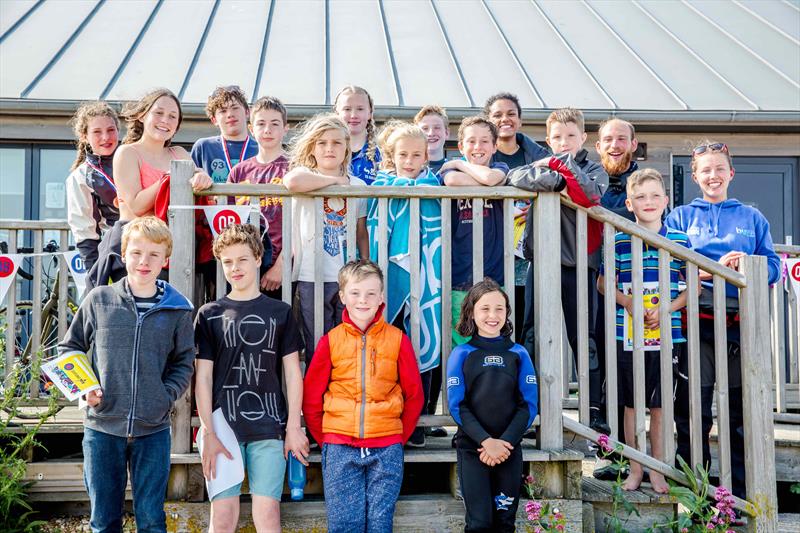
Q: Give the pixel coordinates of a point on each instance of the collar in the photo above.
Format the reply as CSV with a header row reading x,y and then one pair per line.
x,y
497,343
375,320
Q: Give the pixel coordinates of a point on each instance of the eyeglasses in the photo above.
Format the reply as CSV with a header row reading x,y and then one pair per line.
x,y
713,147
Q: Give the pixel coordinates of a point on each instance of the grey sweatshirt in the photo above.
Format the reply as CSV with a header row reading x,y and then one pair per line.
x,y
143,364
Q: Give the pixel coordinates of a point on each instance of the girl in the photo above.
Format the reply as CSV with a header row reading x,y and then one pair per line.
x,y
354,106
405,151
320,156
140,166
724,230
91,194
493,399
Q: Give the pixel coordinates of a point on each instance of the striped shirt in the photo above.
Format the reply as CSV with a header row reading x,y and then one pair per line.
x,y
622,266
143,305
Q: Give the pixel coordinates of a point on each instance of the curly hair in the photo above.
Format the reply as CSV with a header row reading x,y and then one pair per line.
x,y
222,96
80,126
133,112
393,131
466,324
372,145
502,96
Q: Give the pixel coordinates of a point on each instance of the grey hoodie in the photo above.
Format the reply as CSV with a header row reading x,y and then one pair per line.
x,y
143,364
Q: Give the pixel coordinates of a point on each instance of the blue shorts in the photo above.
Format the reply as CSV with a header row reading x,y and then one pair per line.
x,y
265,467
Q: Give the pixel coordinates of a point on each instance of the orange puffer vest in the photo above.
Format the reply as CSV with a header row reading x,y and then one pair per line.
x,y
364,399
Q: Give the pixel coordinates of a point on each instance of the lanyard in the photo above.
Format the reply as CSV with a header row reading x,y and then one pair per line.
x,y
227,156
102,173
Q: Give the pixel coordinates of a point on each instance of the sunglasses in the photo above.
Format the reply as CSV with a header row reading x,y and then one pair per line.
x,y
713,147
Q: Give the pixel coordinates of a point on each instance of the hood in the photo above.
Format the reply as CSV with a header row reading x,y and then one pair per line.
x,y
172,299
714,210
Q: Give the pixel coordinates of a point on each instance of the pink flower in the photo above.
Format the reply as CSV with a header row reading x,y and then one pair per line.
x,y
534,510
560,527
530,480
602,440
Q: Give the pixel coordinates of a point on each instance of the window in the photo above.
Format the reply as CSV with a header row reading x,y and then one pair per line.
x,y
54,165
13,177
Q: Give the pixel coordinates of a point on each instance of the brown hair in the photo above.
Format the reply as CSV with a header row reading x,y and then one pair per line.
x,y
707,142
80,126
642,176
151,228
133,112
608,121
466,324
372,145
357,270
302,147
432,110
269,103
393,131
477,121
239,234
222,96
566,115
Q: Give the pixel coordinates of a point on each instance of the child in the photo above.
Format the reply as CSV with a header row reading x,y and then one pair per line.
x,y
722,229
321,157
140,165
92,206
362,399
434,123
248,329
268,124
227,109
404,147
493,398
647,200
354,107
477,138
138,334
583,181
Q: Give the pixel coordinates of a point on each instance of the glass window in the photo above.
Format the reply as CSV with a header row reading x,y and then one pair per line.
x,y
54,166
12,182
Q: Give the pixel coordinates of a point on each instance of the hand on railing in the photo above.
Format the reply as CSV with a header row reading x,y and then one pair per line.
x,y
200,181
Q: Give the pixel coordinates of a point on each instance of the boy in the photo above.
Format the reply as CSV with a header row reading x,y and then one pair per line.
x,y
433,121
245,342
570,172
139,331
268,124
362,399
477,138
647,200
227,108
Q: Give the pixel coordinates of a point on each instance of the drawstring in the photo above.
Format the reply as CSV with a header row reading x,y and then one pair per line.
x,y
364,452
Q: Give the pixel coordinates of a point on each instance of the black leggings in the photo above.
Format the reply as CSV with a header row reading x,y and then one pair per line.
x,y
491,494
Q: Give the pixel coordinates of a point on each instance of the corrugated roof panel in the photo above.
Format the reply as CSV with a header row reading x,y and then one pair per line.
x,y
33,44
294,66
89,63
485,61
684,74
233,60
165,53
535,43
426,72
755,80
606,58
358,51
784,15
772,46
11,12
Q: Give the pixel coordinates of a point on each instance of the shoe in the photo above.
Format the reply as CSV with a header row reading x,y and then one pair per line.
x,y
530,434
608,472
598,423
435,431
417,439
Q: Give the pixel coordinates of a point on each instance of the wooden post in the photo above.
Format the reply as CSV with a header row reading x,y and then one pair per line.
x,y
582,320
447,302
609,301
759,443
777,307
11,314
181,277
547,301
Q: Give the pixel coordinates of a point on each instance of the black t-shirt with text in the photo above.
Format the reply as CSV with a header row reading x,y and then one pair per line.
x,y
247,341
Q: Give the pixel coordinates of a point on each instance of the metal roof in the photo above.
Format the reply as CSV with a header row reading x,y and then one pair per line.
x,y
657,55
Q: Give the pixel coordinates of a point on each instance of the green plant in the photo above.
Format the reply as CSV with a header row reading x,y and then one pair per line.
x,y
621,508
543,515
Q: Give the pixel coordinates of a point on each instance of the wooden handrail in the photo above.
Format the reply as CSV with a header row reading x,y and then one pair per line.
x,y
360,191
17,224
790,249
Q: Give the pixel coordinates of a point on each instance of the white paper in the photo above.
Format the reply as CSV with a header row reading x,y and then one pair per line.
x,y
228,472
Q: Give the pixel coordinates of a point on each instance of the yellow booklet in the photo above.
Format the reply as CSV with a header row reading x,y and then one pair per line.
x,y
651,299
72,374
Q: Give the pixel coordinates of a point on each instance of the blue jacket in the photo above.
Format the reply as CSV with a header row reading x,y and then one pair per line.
x,y
716,229
614,197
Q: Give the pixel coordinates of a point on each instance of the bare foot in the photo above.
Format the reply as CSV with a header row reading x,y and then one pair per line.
x,y
658,482
633,480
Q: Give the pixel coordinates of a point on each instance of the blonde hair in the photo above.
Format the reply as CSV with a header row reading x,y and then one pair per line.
x,y
239,234
358,270
302,147
432,110
133,112
393,131
371,129
707,142
642,176
151,228
566,115
80,126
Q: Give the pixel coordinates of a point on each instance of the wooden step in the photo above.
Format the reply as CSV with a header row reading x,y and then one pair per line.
x,y
651,506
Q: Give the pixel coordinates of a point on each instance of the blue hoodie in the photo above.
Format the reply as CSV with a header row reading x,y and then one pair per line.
x,y
716,229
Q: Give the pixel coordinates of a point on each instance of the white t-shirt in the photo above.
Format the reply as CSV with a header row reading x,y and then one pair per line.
x,y
334,240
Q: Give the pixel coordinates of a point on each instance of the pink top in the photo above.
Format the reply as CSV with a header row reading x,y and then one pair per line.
x,y
148,174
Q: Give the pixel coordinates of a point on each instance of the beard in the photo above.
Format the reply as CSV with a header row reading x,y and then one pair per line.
x,y
616,167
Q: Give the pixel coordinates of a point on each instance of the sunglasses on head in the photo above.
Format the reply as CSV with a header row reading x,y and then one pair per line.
x,y
713,147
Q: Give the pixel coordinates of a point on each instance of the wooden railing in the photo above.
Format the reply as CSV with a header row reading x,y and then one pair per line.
x,y
784,313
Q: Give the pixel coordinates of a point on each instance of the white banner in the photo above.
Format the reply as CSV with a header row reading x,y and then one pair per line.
x,y
8,270
78,269
793,268
221,216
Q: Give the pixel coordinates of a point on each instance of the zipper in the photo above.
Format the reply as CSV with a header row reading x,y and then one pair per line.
x,y
134,370
363,384
373,362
